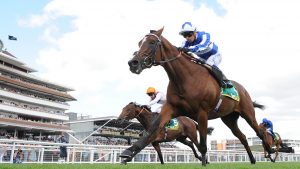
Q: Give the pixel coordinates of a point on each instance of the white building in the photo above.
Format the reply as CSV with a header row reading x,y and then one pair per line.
x,y
30,108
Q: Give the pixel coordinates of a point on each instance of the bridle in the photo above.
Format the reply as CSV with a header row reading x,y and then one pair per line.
x,y
149,59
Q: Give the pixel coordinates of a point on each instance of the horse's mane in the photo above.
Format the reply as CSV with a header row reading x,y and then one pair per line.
x,y
141,106
145,107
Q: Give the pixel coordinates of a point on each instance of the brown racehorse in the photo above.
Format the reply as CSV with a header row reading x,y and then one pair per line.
x,y
192,91
187,128
270,141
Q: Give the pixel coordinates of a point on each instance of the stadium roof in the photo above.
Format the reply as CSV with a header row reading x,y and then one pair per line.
x,y
111,122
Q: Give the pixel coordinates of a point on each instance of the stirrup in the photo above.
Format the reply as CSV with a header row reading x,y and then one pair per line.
x,y
227,84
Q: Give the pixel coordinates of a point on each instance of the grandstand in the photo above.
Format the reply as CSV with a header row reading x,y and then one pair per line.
x,y
30,108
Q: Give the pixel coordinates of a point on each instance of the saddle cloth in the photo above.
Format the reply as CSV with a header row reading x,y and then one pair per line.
x,y
173,124
276,137
230,92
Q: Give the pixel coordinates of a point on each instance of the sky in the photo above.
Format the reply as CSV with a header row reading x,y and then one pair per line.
x,y
86,45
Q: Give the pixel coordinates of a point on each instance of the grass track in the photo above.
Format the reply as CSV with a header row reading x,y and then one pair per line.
x,y
261,165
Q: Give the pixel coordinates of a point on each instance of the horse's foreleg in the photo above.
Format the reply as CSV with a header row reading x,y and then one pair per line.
x,y
276,152
141,143
157,148
265,143
231,121
265,152
124,162
202,129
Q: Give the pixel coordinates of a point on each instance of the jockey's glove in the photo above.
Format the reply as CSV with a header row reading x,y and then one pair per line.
x,y
146,107
181,49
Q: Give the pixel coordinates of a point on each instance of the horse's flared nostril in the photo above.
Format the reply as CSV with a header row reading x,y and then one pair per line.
x,y
133,63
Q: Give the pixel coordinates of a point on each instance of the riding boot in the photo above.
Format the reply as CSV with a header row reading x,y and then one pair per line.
x,y
226,81
221,79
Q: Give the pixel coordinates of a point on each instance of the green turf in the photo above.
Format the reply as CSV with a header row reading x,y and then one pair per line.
x,y
260,165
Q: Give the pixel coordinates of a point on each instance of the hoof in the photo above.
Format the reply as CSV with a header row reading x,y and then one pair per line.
x,y
126,154
123,162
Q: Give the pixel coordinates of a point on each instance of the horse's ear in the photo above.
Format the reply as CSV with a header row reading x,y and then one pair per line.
x,y
133,103
146,107
152,31
159,32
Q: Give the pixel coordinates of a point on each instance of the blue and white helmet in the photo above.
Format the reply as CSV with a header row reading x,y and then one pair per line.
x,y
187,27
265,120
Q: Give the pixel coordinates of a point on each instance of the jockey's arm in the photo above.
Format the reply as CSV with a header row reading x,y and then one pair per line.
x,y
156,99
203,45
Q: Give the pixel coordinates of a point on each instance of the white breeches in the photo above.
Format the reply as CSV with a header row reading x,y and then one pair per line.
x,y
156,108
214,59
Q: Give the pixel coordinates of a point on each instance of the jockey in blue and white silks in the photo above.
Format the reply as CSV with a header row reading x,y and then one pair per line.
x,y
204,48
269,126
199,45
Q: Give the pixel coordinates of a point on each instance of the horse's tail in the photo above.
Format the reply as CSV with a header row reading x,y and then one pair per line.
x,y
260,106
209,129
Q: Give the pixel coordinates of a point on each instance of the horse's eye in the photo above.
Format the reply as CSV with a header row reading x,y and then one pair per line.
x,y
152,42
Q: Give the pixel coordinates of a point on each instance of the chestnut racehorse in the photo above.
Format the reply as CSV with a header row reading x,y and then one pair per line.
x,y
192,91
270,141
187,128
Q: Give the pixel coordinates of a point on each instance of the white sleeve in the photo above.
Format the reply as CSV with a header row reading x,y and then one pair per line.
x,y
156,99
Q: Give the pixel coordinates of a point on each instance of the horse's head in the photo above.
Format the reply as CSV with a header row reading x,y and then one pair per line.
x,y
148,52
130,111
262,128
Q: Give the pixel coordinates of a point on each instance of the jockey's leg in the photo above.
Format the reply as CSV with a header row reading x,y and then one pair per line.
x,y
220,77
214,61
272,133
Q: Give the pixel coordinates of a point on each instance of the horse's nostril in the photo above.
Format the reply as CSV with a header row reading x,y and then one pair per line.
x,y
133,63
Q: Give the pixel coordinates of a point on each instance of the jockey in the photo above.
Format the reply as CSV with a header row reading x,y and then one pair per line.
x,y
156,98
269,126
199,45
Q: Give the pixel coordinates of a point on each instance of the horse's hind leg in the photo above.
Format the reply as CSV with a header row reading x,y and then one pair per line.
x,y
231,121
184,141
157,148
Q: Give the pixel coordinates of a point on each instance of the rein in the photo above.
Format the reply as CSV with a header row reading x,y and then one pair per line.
x,y
140,112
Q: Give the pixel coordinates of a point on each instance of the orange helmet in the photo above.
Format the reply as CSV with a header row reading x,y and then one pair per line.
x,y
150,90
